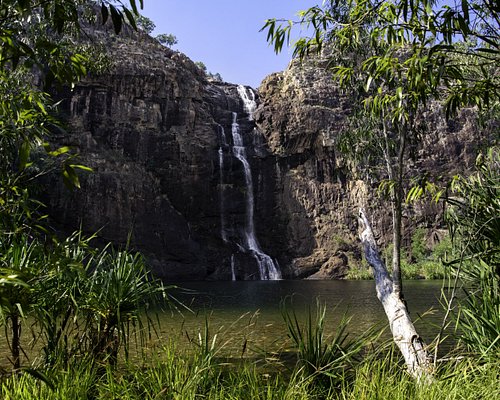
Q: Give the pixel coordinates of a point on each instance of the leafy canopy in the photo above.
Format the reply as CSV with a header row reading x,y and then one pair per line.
x,y
408,50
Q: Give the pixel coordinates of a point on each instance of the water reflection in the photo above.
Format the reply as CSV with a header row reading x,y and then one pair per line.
x,y
226,302
246,315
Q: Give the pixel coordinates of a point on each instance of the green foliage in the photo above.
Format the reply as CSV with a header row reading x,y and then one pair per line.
x,y
76,381
58,284
201,65
26,42
429,264
40,46
145,24
443,250
406,50
359,270
419,249
118,291
80,300
168,40
385,379
38,49
395,57
474,215
474,218
216,77
329,358
22,259
58,296
172,374
427,269
478,317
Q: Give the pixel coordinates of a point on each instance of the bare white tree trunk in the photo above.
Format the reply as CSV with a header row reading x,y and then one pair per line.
x,y
405,336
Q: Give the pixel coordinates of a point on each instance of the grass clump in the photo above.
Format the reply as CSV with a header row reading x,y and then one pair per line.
x,y
327,360
386,379
359,271
172,374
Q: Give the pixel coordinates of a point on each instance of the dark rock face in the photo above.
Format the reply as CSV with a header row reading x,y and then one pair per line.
x,y
319,191
151,131
158,137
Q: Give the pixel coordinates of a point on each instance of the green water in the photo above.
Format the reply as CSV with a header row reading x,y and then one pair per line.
x,y
244,316
249,312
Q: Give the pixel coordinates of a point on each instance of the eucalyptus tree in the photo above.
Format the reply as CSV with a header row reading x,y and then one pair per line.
x,y
168,40
398,55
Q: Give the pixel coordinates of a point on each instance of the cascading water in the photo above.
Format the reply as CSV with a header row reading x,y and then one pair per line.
x,y
248,101
221,184
233,273
268,270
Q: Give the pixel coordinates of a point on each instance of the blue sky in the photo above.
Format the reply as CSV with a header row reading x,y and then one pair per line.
x,y
224,34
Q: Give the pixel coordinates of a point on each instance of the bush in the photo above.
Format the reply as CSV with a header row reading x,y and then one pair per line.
x,y
474,217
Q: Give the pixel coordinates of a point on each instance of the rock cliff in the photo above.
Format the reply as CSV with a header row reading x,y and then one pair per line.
x,y
320,191
160,139
151,129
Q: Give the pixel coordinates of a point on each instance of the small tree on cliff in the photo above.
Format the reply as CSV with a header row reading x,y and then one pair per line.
x,y
147,25
398,55
168,40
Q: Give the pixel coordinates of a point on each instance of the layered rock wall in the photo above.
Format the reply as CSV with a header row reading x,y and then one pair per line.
x,y
150,129
157,135
301,115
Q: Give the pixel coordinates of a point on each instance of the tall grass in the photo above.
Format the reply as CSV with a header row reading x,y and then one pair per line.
x,y
177,375
385,379
328,367
328,358
478,316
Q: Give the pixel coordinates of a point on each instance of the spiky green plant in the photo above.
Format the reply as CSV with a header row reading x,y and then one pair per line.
x,y
119,291
58,296
474,217
22,261
478,316
319,354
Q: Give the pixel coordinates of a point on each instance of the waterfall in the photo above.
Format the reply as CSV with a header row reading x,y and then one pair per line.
x,y
248,101
233,274
221,184
267,268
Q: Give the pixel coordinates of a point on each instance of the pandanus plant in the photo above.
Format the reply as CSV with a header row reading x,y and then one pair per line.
x,y
59,293
21,261
119,293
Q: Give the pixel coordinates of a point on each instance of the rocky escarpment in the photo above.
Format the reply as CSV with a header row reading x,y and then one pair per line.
x,y
152,128
168,175
320,191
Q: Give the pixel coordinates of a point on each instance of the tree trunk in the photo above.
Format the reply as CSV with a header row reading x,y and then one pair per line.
x,y
405,336
397,214
16,341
